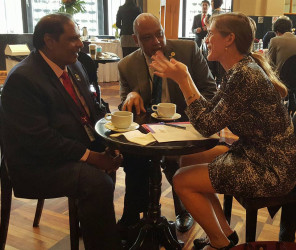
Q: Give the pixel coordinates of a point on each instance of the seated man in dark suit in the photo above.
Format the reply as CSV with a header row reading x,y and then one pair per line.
x,y
136,81
50,144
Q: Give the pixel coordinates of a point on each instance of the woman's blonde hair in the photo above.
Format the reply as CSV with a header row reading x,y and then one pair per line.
x,y
244,29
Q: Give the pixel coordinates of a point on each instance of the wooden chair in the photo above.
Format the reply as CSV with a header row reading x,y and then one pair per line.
x,y
6,198
252,205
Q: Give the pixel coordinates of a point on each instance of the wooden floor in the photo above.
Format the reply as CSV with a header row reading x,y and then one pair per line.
x,y
53,232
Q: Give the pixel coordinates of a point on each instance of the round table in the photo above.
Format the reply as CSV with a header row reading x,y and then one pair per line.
x,y
109,72
155,229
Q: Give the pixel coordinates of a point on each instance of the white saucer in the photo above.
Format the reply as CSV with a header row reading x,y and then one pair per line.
x,y
175,117
132,127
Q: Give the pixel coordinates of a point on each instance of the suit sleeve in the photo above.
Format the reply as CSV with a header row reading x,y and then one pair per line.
x,y
118,19
123,82
201,74
194,25
272,52
27,112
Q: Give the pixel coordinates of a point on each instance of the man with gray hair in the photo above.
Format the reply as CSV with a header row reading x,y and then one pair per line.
x,y
137,93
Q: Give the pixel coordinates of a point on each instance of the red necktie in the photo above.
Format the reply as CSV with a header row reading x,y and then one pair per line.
x,y
71,91
203,20
69,86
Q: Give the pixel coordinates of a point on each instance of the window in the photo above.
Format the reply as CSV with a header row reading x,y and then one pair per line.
x,y
11,24
193,8
113,6
290,6
89,19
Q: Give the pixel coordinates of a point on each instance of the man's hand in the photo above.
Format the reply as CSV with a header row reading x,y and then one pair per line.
x,y
105,161
198,30
134,99
204,28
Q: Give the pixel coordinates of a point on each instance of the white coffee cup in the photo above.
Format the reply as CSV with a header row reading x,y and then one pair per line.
x,y
93,50
165,110
120,119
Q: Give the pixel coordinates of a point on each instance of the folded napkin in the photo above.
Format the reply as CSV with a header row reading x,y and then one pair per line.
x,y
137,137
163,133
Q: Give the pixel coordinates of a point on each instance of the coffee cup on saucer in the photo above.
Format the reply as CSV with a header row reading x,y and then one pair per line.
x,y
165,110
120,119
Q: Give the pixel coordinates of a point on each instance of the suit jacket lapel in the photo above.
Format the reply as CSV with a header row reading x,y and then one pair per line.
x,y
143,77
172,86
83,89
59,86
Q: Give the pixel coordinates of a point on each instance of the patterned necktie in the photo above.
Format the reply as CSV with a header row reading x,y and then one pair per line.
x,y
70,89
156,89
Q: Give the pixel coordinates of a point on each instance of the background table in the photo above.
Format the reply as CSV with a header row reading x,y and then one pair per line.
x,y
109,72
155,230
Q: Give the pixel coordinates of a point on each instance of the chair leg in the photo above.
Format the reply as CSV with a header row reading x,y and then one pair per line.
x,y
74,224
251,223
6,197
227,207
38,212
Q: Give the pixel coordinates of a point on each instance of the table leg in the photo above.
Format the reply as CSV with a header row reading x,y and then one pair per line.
x,y
155,229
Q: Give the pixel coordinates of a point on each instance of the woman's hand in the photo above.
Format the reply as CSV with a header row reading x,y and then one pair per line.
x,y
178,72
173,69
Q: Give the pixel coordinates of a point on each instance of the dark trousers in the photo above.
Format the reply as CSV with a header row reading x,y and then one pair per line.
x,y
136,198
93,189
288,223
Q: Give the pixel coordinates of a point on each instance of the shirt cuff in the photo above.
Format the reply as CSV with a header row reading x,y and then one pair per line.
x,y
85,156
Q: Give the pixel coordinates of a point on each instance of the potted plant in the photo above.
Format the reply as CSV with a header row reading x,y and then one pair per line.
x,y
72,6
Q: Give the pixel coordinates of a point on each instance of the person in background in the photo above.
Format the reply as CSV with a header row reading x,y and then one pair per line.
x,y
215,67
283,45
136,92
199,26
216,7
249,102
125,17
267,37
50,144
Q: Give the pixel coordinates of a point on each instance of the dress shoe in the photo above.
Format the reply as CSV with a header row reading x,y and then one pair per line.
x,y
229,246
122,229
200,243
184,222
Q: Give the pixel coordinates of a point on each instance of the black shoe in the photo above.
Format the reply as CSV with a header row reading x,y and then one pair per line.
x,y
184,222
128,233
229,246
200,243
122,229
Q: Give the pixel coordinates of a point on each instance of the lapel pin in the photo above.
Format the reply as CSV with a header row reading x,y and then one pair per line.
x,y
172,54
77,77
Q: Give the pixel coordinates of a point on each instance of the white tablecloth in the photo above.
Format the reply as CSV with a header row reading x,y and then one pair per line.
x,y
109,72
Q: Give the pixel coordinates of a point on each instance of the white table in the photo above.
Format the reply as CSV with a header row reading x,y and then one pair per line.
x,y
109,72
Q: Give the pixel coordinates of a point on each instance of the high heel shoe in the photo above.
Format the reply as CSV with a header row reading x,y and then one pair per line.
x,y
229,246
200,243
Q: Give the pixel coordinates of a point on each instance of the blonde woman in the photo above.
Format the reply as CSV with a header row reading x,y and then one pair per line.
x,y
249,102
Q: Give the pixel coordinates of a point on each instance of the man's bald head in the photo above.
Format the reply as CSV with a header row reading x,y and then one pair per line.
x,y
144,18
148,33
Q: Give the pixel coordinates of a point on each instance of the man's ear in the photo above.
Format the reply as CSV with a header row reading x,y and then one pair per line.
x,y
49,41
136,39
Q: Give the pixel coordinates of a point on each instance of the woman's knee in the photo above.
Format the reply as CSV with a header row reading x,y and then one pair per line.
x,y
178,183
